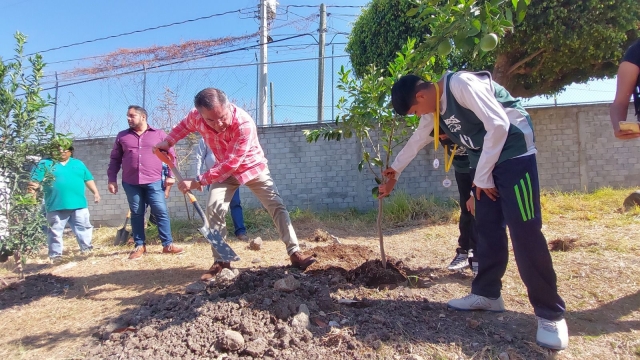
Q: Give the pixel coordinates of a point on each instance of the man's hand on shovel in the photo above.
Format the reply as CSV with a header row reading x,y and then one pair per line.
x,y
189,184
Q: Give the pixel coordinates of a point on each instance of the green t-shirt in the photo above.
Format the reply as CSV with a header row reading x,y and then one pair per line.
x,y
63,185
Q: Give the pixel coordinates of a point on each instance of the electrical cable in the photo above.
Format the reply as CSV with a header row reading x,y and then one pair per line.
x,y
137,31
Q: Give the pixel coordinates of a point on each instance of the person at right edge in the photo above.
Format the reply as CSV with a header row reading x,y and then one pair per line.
x,y
628,80
479,114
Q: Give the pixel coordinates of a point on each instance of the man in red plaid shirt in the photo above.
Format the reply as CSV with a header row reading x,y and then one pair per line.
x,y
232,136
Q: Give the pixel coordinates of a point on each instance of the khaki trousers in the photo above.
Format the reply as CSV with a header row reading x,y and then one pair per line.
x,y
265,190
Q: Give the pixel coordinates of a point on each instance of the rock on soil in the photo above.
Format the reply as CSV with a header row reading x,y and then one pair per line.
x,y
256,244
301,320
232,341
226,275
257,347
287,284
320,235
195,287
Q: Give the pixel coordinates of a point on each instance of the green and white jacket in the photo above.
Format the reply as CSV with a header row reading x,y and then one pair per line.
x,y
480,115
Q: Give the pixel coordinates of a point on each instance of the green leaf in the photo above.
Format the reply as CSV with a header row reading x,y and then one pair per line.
x,y
506,23
361,166
521,11
378,181
374,192
412,12
474,27
377,162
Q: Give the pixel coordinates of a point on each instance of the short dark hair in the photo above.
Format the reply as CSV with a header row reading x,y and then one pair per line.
x,y
70,148
139,109
210,97
403,92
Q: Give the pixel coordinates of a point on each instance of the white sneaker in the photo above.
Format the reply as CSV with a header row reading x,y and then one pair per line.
x,y
459,262
552,334
477,302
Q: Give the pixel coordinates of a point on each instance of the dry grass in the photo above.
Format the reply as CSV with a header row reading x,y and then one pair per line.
x,y
598,276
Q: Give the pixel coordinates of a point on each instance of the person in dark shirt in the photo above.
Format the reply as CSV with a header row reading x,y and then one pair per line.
x,y
628,85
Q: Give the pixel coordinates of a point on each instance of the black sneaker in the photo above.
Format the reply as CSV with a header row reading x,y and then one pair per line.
x,y
460,261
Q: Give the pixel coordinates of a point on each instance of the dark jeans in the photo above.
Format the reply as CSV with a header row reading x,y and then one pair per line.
x,y
468,235
236,214
139,196
519,208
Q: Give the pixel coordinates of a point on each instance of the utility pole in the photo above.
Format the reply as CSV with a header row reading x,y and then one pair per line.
x,y
322,30
333,84
262,67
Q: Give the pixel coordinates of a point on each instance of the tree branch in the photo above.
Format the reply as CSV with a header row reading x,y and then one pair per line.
x,y
523,61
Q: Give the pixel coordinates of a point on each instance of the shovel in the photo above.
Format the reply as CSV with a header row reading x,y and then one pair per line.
x,y
122,235
219,246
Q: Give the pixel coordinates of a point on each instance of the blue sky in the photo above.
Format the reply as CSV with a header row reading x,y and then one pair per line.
x,y
51,24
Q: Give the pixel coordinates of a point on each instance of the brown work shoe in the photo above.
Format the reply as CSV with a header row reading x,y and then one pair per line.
x,y
138,252
215,269
243,237
300,261
171,249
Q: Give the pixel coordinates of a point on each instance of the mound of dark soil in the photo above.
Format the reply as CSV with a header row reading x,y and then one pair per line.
x,y
321,314
18,292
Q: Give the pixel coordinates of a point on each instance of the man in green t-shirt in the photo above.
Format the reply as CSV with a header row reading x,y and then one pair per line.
x,y
63,183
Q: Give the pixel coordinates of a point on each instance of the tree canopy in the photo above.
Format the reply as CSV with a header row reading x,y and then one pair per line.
x,y
558,43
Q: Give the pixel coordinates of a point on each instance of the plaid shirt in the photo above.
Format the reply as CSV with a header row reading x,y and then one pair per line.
x,y
237,150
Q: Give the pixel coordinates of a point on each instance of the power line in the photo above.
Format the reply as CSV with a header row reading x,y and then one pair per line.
x,y
137,31
174,63
223,46
334,6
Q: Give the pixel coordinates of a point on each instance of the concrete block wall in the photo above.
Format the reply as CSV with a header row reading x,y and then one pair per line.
x,y
577,151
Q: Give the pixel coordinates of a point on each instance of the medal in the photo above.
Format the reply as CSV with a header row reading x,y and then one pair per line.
x,y
436,163
448,161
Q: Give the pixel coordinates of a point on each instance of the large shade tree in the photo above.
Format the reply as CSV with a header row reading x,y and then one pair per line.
x,y
558,43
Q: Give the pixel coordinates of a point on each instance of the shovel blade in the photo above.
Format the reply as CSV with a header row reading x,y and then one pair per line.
x,y
121,237
223,251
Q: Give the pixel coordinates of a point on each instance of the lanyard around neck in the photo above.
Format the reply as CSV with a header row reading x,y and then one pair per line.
x,y
436,119
448,161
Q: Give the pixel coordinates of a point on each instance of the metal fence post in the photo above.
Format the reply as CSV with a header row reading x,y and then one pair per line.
x,y
272,106
55,105
144,86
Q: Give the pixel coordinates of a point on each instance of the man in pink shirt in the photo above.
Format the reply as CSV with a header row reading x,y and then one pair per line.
x,y
141,179
232,136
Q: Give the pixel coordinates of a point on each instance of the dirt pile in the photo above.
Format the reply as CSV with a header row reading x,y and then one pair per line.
x,y
325,313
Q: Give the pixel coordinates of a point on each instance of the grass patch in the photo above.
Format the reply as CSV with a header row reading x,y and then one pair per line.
x,y
589,206
401,208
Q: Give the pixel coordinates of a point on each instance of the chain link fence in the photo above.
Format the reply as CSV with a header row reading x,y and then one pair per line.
x,y
97,107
